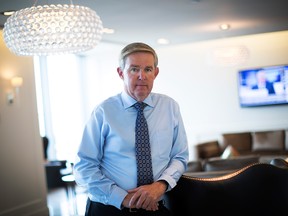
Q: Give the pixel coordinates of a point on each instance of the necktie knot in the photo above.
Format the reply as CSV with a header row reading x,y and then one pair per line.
x,y
140,106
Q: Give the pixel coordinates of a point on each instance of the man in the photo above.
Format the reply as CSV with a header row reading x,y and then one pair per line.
x,y
263,83
106,161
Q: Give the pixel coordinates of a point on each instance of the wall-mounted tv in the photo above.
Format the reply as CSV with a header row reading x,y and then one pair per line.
x,y
263,86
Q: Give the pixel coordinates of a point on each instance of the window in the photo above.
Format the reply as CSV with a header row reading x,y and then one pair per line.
x,y
68,88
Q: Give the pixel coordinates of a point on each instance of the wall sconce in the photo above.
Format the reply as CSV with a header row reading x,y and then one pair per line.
x,y
16,83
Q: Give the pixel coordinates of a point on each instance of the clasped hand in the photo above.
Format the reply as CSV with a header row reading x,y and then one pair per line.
x,y
145,196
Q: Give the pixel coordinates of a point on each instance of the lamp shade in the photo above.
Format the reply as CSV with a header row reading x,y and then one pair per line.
x,y
52,29
17,81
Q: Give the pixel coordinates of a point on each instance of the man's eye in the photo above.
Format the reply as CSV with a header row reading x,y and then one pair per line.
x,y
134,69
148,69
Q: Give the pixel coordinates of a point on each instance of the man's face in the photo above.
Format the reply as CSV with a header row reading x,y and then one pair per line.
x,y
261,77
138,75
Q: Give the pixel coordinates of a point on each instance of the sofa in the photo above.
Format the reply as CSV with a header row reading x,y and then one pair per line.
x,y
261,143
236,150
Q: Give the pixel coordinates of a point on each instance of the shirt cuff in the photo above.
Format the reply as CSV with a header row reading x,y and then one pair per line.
x,y
170,182
117,197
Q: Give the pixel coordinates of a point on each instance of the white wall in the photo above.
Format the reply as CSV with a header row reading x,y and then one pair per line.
x,y
208,94
23,186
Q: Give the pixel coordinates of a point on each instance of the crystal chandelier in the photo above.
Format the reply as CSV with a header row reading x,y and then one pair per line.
x,y
52,29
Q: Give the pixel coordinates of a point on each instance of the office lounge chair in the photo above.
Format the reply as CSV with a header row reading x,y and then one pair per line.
x,y
255,189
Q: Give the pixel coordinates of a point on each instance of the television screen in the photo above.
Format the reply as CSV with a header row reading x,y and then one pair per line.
x,y
263,86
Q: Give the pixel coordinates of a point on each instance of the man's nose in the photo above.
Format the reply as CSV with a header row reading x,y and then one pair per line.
x,y
142,75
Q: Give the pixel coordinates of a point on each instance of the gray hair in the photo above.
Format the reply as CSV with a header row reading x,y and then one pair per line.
x,y
133,48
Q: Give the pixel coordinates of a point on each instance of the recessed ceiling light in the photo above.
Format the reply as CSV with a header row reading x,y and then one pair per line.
x,y
108,31
224,27
163,41
8,13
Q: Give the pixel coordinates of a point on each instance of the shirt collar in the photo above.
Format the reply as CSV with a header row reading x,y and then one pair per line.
x,y
128,101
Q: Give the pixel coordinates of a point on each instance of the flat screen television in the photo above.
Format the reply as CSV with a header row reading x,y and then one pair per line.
x,y
263,86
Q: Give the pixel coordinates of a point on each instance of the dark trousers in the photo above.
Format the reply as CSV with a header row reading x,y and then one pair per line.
x,y
99,209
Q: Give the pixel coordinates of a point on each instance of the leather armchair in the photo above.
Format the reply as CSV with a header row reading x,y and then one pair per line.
x,y
255,189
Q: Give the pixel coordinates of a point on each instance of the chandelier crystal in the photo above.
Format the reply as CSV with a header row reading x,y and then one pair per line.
x,y
52,29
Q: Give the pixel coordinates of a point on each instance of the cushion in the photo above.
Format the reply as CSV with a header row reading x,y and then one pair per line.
x,y
268,140
242,141
229,152
208,149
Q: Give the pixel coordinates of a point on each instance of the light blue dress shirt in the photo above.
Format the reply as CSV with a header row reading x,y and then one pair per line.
x,y
106,161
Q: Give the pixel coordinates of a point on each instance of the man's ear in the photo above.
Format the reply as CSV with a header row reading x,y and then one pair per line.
x,y
156,71
120,73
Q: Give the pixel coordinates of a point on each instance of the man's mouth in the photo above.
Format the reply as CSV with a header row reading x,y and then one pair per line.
x,y
141,85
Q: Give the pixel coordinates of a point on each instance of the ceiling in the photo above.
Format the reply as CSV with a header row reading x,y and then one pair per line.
x,y
179,21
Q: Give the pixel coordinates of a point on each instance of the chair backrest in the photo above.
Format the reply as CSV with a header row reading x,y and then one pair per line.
x,y
279,162
255,189
230,163
208,149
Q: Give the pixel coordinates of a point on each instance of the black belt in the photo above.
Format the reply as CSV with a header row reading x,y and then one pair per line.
x,y
135,210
